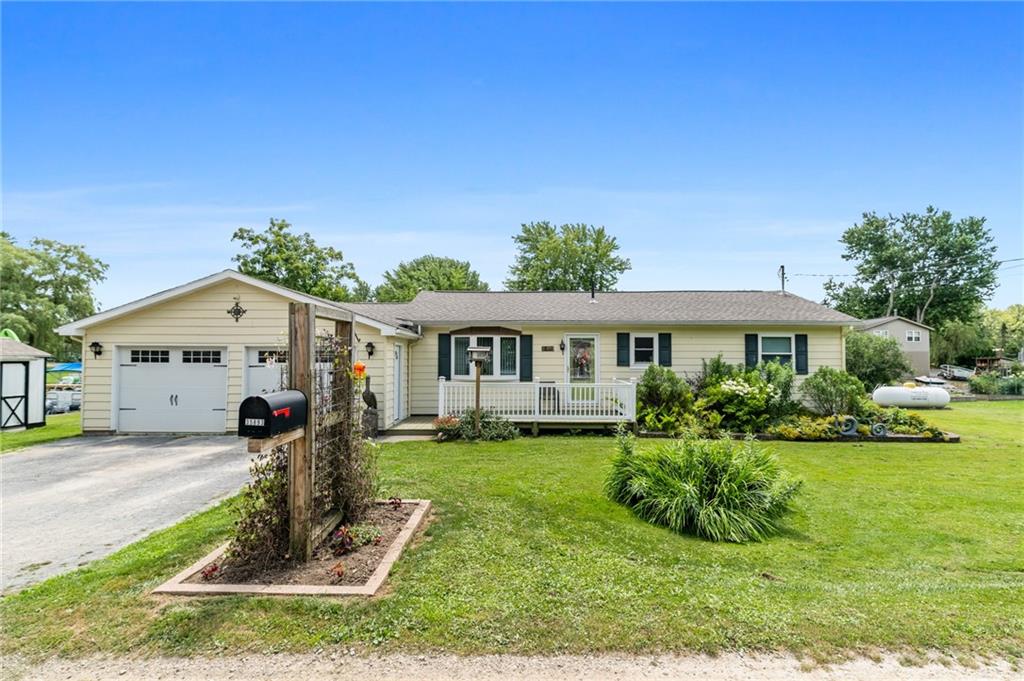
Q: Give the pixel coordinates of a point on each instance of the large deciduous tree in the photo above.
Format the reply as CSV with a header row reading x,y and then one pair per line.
x,y
294,260
928,267
566,258
428,273
45,285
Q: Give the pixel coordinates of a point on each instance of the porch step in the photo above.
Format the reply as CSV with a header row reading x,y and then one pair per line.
x,y
413,425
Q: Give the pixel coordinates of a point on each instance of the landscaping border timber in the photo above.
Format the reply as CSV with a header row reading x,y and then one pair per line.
x,y
948,438
177,585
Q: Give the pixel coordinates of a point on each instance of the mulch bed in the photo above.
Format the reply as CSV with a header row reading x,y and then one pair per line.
x,y
359,563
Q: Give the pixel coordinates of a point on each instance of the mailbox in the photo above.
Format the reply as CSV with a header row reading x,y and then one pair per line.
x,y
271,414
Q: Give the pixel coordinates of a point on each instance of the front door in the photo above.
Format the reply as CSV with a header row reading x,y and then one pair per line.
x,y
398,383
581,366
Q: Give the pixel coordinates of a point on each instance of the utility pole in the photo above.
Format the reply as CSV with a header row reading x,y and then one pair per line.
x,y
782,277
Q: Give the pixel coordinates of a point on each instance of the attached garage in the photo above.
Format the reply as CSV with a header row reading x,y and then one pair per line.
x,y
172,390
182,360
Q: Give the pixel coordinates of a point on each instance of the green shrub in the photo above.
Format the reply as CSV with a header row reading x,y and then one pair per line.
x,y
663,399
781,377
831,391
896,419
712,372
720,490
875,360
492,427
747,402
993,384
806,428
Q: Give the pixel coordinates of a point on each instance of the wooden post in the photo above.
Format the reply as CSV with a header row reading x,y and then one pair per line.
x,y
476,414
302,376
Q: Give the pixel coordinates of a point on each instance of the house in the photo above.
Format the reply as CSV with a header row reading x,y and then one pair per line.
x,y
22,385
914,338
557,357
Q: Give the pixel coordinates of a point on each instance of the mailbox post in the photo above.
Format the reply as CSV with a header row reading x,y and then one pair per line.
x,y
478,355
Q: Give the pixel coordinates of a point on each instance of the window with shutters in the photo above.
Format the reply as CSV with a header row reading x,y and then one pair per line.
x,y
643,349
777,348
502,362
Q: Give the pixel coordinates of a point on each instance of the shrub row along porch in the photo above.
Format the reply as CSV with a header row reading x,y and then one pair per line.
x,y
542,402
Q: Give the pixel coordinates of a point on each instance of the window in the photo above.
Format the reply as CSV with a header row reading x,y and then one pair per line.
x,y
884,333
779,348
504,366
271,357
643,350
150,356
913,336
200,356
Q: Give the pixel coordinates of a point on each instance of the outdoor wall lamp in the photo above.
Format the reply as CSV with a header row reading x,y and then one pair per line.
x,y
97,349
561,346
369,349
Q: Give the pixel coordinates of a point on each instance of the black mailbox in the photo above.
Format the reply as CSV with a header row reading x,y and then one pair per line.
x,y
270,414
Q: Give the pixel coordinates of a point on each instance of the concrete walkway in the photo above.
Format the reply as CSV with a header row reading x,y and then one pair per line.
x,y
72,501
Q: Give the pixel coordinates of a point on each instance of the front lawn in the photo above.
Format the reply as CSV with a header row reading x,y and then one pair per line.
x,y
894,546
58,427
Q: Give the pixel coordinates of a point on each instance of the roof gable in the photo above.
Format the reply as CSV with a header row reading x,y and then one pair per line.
x,y
882,321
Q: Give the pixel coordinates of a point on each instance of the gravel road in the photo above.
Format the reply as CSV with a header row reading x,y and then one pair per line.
x,y
342,665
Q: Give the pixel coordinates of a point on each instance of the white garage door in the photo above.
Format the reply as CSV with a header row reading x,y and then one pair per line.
x,y
265,370
172,390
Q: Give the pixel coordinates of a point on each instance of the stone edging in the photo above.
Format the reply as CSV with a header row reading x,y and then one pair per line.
x,y
177,585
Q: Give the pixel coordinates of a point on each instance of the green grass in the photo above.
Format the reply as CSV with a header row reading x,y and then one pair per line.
x,y
893,546
58,427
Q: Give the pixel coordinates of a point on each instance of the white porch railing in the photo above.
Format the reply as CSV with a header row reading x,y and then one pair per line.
x,y
538,401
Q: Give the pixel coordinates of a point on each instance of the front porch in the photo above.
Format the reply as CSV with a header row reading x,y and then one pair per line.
x,y
541,401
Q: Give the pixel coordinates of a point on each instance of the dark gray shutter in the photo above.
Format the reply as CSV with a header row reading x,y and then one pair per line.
x,y
526,358
801,353
622,349
665,349
750,348
444,355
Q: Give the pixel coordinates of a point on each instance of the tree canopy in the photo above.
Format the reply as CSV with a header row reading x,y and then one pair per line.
x,y
928,267
428,273
45,285
281,257
565,258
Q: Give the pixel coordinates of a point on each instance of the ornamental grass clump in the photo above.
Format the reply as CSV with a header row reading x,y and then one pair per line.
x,y
722,490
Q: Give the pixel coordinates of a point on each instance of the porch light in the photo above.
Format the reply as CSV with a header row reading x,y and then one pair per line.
x,y
97,349
369,349
561,346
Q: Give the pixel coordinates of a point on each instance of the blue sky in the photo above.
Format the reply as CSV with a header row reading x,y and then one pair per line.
x,y
715,141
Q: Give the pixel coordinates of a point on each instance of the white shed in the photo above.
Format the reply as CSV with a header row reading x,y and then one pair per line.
x,y
22,385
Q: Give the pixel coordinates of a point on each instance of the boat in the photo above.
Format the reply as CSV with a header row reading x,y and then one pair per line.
x,y
910,395
955,373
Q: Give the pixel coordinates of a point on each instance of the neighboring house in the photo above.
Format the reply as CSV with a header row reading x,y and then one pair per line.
x,y
556,357
22,385
914,339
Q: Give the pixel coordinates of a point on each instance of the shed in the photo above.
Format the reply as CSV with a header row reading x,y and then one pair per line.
x,y
22,385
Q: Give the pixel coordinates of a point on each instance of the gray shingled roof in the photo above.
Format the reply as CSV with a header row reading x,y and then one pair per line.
x,y
681,307
11,349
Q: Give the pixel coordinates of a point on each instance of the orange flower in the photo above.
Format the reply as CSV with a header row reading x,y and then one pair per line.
x,y
359,369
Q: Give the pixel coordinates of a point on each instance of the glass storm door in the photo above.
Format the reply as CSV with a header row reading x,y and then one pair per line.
x,y
581,366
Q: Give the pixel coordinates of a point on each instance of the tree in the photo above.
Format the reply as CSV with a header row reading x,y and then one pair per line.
x,y
959,342
428,273
875,360
44,286
296,261
566,258
928,267
1005,328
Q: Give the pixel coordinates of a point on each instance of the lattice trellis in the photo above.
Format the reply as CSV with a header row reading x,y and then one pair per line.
x,y
333,408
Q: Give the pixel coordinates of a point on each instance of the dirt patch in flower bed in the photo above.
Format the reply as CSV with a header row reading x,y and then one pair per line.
x,y
350,561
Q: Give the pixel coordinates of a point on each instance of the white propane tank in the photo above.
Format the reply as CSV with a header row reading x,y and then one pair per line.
x,y
919,397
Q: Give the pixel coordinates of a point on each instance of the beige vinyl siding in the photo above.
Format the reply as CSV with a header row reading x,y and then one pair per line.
x,y
690,345
197,319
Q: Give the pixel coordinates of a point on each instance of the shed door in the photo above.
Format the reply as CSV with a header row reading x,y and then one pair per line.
x,y
13,394
172,390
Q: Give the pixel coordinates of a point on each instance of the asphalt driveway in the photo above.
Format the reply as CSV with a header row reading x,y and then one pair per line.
x,y
72,501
